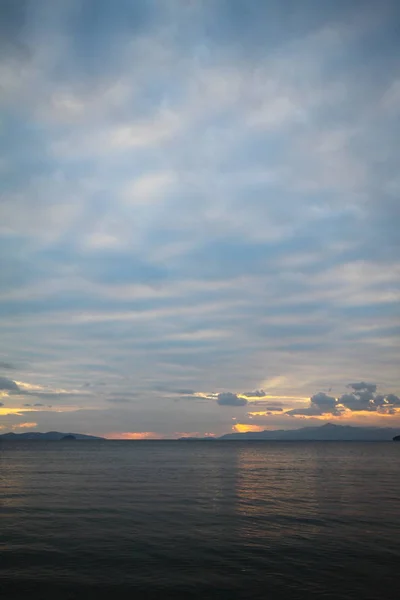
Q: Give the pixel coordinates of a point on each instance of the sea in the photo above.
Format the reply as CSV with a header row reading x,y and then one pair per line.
x,y
199,520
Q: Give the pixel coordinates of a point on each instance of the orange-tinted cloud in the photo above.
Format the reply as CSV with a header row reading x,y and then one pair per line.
x,y
348,415
244,428
259,399
264,413
25,426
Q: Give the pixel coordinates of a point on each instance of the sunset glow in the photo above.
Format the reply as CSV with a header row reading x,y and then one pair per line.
x,y
244,428
134,435
4,411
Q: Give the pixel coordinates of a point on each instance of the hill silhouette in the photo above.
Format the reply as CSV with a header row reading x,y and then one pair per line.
x,y
326,432
50,436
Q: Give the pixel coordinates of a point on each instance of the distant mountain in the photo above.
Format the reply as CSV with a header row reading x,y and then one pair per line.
x,y
50,435
323,433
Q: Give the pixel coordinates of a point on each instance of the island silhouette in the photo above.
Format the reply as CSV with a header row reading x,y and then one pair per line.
x,y
327,432
49,436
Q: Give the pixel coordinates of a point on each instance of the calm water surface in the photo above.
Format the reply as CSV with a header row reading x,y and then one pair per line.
x,y
199,520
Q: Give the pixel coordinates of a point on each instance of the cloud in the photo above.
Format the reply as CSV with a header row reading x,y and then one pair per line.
x,y
49,395
353,402
364,398
309,411
30,425
324,401
362,386
1,404
8,385
254,394
25,389
320,404
270,410
390,399
229,399
244,428
6,365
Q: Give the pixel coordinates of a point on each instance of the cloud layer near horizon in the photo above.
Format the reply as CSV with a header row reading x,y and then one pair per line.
x,y
198,198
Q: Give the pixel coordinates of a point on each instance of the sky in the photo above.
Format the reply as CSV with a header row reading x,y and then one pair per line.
x,y
199,215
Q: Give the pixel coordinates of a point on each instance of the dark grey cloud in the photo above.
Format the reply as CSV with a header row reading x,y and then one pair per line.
x,y
6,365
229,399
172,390
1,404
254,394
380,400
353,402
363,387
324,401
392,399
8,384
320,404
364,399
38,404
27,405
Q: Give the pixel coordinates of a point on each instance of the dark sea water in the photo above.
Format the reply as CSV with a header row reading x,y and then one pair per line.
x,y
202,520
